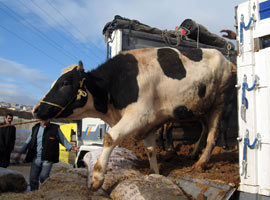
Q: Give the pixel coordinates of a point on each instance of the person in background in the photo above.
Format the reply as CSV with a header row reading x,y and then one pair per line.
x,y
42,147
7,140
265,41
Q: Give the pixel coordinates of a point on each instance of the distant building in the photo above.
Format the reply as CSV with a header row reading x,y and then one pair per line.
x,y
4,105
16,106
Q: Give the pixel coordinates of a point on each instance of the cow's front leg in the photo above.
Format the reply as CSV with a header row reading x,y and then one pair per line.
x,y
127,125
100,167
150,144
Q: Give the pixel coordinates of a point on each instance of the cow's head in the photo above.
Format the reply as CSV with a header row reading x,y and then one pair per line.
x,y
66,94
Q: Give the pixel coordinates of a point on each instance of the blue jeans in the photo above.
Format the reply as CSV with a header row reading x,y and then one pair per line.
x,y
39,172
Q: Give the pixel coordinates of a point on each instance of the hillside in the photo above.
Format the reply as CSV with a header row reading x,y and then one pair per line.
x,y
19,114
27,115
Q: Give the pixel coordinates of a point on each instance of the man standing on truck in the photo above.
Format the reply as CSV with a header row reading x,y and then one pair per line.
x,y
42,147
230,34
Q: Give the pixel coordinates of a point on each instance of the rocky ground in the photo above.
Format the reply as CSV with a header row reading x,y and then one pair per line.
x,y
66,184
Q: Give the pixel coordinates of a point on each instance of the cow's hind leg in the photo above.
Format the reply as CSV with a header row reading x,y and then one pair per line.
x,y
160,132
150,144
201,141
169,137
213,125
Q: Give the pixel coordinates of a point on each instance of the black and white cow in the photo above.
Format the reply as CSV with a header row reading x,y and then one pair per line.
x,y
138,90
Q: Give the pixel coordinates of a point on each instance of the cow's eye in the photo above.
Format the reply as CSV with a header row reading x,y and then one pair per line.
x,y
65,83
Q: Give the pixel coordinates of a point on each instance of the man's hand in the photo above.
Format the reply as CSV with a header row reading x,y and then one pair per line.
x,y
75,148
17,157
230,34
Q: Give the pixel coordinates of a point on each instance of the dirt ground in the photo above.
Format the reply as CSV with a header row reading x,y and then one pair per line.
x,y
222,167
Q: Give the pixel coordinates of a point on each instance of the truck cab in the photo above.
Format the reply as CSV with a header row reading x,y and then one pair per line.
x,y
90,132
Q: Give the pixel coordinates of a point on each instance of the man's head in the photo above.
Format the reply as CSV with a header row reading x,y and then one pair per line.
x,y
44,123
9,118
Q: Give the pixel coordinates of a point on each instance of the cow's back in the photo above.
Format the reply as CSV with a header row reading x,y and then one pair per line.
x,y
190,79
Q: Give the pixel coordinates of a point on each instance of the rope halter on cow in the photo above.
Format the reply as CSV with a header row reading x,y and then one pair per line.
x,y
80,93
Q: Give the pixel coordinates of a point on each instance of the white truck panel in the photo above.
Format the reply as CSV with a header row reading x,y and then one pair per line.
x,y
254,62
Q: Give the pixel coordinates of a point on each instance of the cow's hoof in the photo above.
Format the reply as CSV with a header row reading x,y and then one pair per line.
x,y
199,167
96,183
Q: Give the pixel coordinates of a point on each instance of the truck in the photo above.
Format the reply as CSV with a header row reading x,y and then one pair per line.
x,y
89,136
87,133
253,81
252,57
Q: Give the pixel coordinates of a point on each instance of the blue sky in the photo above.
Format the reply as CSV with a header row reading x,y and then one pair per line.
x,y
39,38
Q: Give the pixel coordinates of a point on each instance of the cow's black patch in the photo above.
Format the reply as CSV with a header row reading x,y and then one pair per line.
x,y
100,95
181,112
171,64
117,80
193,54
201,90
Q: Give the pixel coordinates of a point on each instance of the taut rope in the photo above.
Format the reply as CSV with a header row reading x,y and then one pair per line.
x,y
19,123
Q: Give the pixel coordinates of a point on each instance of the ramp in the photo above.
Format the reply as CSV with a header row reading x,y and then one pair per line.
x,y
203,189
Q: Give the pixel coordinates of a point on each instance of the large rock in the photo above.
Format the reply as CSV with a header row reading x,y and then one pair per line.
x,y
120,158
152,187
11,181
114,177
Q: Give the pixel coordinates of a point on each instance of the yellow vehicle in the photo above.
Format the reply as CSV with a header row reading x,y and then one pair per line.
x,y
69,130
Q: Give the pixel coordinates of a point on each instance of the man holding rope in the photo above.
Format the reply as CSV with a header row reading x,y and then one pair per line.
x,y
42,147
7,140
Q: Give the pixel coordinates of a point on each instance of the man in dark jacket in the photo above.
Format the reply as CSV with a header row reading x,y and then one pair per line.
x,y
42,147
7,141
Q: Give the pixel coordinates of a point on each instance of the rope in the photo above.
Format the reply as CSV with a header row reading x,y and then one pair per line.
x,y
247,145
111,27
198,35
81,94
242,27
244,88
20,123
52,104
166,35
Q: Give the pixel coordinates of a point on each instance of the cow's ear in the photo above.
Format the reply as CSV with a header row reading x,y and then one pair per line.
x,y
80,66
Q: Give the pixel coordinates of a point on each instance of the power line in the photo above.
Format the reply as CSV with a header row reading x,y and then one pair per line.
x,y
40,34
31,45
68,21
63,28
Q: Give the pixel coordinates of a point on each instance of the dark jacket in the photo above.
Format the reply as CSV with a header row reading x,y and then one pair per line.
x,y
7,138
50,144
